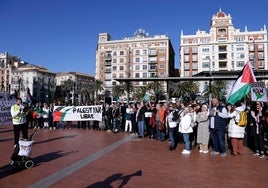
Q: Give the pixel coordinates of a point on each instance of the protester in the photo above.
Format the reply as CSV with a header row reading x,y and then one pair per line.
x,y
218,124
257,122
172,120
19,121
185,128
236,133
203,129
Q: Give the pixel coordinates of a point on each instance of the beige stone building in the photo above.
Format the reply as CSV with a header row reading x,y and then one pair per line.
x,y
223,48
140,56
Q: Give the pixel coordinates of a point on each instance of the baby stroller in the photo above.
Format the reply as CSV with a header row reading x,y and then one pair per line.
x,y
21,156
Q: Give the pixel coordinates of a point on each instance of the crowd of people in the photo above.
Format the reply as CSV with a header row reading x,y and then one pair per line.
x,y
211,128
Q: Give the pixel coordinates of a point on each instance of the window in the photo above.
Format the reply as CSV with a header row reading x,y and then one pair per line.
x,y
186,50
137,67
114,60
240,55
261,64
144,59
144,67
251,56
121,60
162,74
144,75
186,58
162,66
240,63
153,51
260,55
122,53
205,49
195,66
137,52
114,53
238,39
121,75
137,75
240,47
186,66
204,40
205,64
114,68
194,57
162,58
162,50
144,52
137,59
260,47
194,50
186,73
121,68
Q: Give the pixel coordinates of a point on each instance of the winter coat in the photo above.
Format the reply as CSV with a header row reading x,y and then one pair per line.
x,y
185,124
235,131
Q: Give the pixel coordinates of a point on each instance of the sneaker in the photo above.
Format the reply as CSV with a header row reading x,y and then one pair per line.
x,y
186,152
223,155
256,154
205,151
200,151
214,153
261,156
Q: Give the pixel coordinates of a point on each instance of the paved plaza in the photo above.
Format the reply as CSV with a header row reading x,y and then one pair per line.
x,y
79,158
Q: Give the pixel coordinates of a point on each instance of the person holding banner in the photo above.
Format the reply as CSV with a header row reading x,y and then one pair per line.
x,y
19,121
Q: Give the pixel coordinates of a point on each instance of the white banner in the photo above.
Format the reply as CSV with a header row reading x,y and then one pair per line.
x,y
6,101
258,92
77,113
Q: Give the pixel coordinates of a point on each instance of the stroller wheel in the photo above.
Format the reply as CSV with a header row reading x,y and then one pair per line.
x,y
29,164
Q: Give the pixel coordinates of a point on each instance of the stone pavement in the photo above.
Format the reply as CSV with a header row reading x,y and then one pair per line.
x,y
97,159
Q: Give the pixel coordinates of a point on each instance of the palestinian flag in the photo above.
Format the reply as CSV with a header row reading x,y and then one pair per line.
x,y
241,87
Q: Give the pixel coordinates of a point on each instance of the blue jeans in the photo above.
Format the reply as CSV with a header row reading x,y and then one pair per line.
x,y
218,140
141,128
171,137
186,139
160,135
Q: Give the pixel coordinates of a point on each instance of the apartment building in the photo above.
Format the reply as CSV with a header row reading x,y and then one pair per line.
x,y
39,81
79,81
8,63
140,56
224,48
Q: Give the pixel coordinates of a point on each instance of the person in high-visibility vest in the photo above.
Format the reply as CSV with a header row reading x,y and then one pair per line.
x,y
19,121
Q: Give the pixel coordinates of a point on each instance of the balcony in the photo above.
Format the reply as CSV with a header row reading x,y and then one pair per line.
x,y
108,57
108,63
108,70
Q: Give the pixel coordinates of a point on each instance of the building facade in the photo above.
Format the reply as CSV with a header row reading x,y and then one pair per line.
x,y
140,56
8,63
224,48
36,81
79,90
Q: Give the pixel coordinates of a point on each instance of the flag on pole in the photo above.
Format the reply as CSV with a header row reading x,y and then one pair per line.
x,y
242,85
29,96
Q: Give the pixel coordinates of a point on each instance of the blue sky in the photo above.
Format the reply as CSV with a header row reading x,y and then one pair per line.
x,y
61,35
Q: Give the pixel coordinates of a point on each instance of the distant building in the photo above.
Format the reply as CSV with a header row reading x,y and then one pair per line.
x,y
8,63
224,48
79,81
37,81
140,56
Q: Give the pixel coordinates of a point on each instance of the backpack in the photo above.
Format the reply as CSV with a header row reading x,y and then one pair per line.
x,y
243,119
